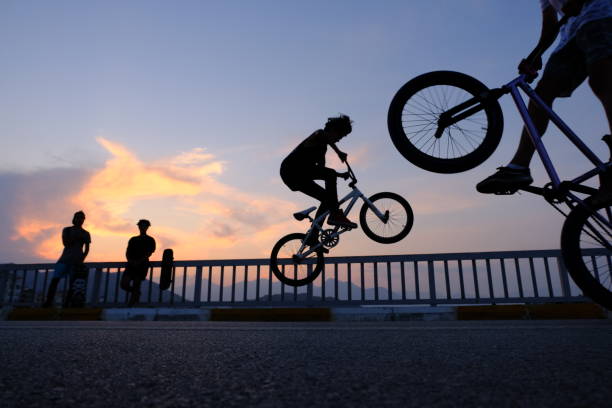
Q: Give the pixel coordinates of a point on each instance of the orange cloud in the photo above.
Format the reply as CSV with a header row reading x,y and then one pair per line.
x,y
190,209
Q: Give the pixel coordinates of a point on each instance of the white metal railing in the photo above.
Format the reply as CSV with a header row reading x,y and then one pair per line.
x,y
452,278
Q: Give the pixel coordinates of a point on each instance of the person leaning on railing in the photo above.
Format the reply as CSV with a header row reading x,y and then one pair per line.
x,y
76,241
139,249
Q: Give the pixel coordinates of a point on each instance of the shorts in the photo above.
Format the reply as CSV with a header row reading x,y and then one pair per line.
x,y
62,270
568,67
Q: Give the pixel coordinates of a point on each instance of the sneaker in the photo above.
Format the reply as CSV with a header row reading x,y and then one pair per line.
x,y
338,218
505,181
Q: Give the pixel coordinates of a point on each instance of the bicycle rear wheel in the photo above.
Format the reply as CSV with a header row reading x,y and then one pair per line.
x,y
586,245
414,127
398,218
293,269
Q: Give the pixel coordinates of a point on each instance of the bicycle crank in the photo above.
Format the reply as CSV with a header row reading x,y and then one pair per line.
x,y
330,238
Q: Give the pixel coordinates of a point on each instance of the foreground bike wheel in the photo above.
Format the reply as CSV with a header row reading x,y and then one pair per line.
x,y
586,245
413,122
295,273
399,218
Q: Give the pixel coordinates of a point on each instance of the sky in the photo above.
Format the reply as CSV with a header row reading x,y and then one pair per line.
x,y
182,111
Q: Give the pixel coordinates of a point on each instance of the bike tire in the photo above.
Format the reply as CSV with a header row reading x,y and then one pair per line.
x,y
582,233
416,107
283,249
401,218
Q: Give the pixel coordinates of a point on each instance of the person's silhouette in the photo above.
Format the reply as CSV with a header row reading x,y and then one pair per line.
x,y
584,51
306,163
76,242
138,251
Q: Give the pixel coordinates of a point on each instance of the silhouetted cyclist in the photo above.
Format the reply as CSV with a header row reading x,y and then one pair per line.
x,y
584,50
306,163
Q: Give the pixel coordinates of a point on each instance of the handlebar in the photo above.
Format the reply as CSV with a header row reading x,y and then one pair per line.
x,y
351,175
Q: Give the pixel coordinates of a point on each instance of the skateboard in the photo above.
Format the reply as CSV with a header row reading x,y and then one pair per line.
x,y
167,269
78,287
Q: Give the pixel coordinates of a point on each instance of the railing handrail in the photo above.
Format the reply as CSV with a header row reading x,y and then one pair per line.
x,y
442,278
329,260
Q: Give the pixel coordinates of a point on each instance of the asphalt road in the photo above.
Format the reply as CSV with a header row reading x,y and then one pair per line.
x,y
441,364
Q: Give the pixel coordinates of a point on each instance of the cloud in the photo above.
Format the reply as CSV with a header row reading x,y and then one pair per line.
x,y
189,207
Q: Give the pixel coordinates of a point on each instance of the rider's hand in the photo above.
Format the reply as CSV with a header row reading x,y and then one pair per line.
x,y
530,67
572,7
345,175
343,156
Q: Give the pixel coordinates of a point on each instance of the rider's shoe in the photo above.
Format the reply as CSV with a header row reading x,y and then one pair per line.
x,y
506,180
337,218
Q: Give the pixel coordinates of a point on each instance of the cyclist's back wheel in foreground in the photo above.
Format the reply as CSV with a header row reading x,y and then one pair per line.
x,y
416,131
398,218
296,271
586,245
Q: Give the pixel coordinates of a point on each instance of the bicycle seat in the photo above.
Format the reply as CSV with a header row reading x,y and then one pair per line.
x,y
301,215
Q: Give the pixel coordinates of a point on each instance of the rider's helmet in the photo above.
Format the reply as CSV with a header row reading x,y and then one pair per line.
x,y
340,124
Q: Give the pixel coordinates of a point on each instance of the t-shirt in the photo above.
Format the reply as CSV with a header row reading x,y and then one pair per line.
x,y
307,154
139,247
73,238
592,10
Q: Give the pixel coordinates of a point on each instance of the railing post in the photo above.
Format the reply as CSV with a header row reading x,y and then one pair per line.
x,y
94,296
3,283
563,277
309,287
432,283
197,295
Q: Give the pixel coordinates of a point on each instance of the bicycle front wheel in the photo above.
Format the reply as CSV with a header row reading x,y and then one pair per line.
x,y
289,266
586,245
419,135
397,218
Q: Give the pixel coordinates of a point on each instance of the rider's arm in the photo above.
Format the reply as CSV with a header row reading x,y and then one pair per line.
x,y
547,38
66,236
86,251
340,153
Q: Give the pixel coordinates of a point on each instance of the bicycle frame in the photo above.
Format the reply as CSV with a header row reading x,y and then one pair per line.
x,y
351,198
566,187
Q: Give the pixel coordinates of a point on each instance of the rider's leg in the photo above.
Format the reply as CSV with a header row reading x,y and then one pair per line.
x,y
600,80
312,189
524,153
564,72
336,216
595,38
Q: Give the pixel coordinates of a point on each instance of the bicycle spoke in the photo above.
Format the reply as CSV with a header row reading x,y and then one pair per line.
x,y
420,117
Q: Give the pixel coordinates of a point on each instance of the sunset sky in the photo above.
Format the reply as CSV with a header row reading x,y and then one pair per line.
x,y
182,111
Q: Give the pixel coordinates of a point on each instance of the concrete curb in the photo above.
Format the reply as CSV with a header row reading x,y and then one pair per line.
x,y
155,314
275,314
399,313
21,313
532,312
340,314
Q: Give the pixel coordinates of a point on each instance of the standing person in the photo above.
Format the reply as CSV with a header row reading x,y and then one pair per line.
x,y
138,251
584,50
76,242
306,163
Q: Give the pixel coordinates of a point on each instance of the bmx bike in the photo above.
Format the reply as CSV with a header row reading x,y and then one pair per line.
x,y
384,217
449,122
